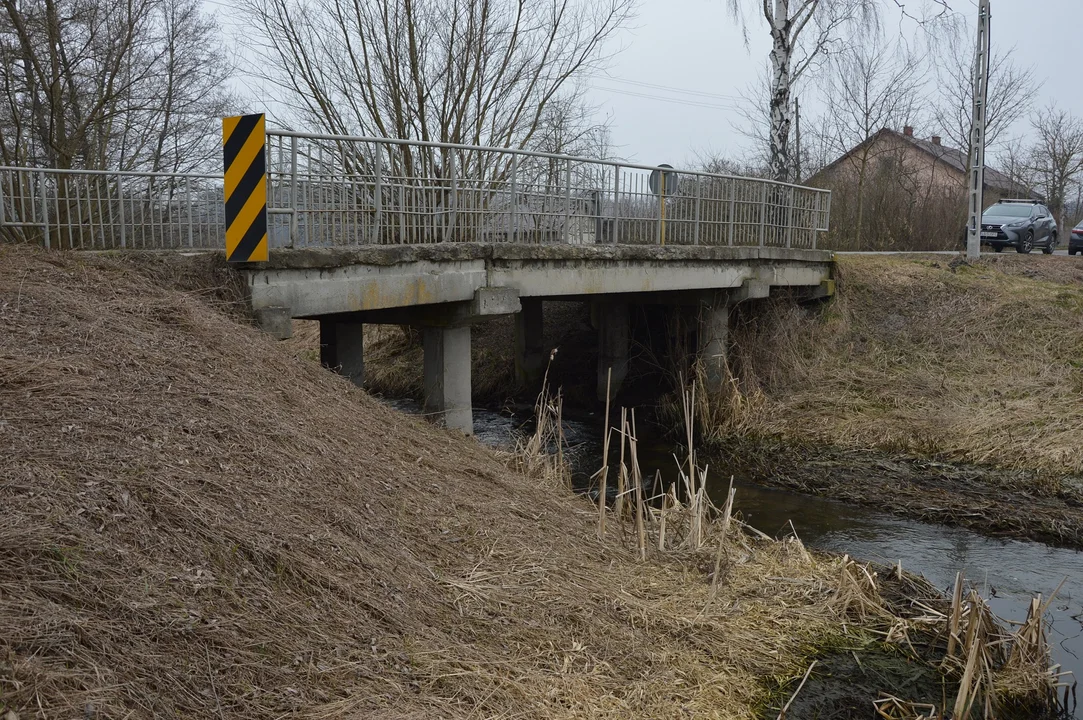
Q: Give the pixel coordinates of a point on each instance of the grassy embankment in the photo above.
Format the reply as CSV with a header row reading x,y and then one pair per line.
x,y
939,389
197,523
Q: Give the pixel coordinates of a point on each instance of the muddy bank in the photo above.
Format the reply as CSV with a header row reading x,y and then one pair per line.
x,y
1024,504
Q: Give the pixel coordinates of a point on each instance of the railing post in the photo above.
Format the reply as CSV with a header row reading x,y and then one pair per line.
x,y
733,211
123,221
294,225
378,191
699,196
188,195
789,220
616,204
827,212
659,228
763,214
44,209
567,202
454,209
513,222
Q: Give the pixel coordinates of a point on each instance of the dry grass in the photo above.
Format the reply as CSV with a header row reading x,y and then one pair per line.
x,y
978,364
198,523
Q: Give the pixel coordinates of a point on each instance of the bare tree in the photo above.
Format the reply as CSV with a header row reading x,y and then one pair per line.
x,y
1013,158
483,72
868,88
98,83
1056,157
801,32
1011,87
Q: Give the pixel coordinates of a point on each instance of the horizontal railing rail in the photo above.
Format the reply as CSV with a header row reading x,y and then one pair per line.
x,y
328,190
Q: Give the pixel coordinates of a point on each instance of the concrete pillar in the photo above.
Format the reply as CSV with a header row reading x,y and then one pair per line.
x,y
275,321
530,357
342,348
714,331
447,377
613,343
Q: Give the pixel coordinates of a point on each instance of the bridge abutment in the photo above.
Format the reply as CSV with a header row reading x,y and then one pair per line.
x,y
447,377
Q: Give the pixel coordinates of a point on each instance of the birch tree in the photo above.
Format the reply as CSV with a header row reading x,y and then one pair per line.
x,y
802,31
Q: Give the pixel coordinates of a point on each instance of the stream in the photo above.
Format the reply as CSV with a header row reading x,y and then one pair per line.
x,y
1007,572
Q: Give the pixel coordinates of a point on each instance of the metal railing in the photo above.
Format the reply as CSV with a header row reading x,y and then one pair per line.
x,y
106,210
326,190
344,190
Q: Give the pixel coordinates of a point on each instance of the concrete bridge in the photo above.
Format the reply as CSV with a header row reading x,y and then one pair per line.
x,y
443,236
445,289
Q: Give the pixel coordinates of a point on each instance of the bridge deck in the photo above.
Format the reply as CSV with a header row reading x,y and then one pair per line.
x,y
314,282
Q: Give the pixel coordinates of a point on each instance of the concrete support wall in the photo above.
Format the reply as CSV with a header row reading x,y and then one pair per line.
x,y
342,348
714,330
530,356
613,345
276,322
447,377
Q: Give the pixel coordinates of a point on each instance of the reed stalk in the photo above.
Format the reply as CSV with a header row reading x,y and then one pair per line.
x,y
603,480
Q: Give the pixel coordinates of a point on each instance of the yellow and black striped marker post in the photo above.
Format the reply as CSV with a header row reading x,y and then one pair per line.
x,y
243,138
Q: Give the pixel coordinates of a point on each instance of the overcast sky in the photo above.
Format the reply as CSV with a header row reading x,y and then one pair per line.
x,y
694,45
672,90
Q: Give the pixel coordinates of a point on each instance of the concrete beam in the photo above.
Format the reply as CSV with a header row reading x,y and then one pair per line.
x,y
492,301
342,348
311,285
826,289
487,303
530,354
750,290
311,291
614,337
447,377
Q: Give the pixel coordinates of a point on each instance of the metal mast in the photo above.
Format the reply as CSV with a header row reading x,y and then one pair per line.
x,y
977,133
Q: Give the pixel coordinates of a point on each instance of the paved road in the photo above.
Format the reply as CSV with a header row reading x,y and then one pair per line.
x,y
1062,252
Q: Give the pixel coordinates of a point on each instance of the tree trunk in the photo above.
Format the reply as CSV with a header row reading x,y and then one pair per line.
x,y
781,119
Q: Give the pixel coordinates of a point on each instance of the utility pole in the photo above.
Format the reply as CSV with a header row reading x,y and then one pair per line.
x,y
797,132
977,134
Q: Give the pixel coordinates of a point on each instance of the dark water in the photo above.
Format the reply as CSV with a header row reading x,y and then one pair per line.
x,y
1007,572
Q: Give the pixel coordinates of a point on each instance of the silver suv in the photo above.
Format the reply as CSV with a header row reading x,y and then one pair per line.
x,y
1022,224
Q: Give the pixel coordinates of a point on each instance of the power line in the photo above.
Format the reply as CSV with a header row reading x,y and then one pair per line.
x,y
667,88
674,101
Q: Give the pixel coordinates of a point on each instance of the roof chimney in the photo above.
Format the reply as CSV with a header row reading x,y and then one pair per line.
x,y
908,131
936,139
